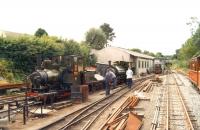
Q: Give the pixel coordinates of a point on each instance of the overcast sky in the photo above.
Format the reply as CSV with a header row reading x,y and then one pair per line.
x,y
153,25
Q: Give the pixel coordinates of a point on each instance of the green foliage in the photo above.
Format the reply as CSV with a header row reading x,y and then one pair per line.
x,y
7,72
71,47
188,50
144,52
151,54
89,60
41,32
191,47
96,38
196,38
136,50
159,55
180,64
110,35
23,50
5,66
20,53
194,24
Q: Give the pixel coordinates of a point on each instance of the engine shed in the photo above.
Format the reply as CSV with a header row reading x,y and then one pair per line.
x,y
140,63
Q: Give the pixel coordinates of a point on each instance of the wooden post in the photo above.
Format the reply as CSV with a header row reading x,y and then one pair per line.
x,y
24,114
41,109
9,112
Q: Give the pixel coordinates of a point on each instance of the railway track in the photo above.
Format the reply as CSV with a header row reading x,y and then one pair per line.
x,y
13,85
173,112
20,96
12,97
82,119
71,118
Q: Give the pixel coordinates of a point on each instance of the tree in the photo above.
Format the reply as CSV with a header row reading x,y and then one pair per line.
x,y
136,50
188,50
151,54
110,35
159,55
41,32
148,53
71,47
194,24
96,38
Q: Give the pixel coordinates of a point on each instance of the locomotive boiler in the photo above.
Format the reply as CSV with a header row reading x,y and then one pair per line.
x,y
119,71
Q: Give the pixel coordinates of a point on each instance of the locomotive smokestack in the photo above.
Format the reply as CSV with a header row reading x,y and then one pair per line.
x,y
109,63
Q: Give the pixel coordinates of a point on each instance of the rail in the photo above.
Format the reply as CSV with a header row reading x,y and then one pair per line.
x,y
189,122
96,109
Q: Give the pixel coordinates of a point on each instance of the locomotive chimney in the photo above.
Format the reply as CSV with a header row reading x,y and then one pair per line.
x,y
109,63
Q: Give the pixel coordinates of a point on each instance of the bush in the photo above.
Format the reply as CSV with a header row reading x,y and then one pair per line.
x,y
20,54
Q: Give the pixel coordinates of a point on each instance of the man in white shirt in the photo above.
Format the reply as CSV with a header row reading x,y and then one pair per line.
x,y
129,77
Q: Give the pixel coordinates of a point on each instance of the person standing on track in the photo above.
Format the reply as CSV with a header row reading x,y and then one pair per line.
x,y
129,77
108,80
114,79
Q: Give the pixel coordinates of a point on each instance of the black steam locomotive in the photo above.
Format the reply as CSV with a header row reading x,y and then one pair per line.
x,y
119,71
59,74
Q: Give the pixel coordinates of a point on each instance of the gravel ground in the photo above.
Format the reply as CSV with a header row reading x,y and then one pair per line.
x,y
150,106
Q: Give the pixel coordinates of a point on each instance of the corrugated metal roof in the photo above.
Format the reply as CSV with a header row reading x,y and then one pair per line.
x,y
126,51
117,54
137,54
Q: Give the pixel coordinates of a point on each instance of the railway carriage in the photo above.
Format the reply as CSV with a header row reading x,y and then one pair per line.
x,y
194,73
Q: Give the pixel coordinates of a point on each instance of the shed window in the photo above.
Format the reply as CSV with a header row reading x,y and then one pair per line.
x,y
138,64
142,64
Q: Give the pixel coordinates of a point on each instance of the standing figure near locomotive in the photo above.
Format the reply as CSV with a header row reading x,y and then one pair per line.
x,y
110,79
129,77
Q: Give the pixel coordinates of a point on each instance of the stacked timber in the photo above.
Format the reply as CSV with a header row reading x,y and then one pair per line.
x,y
147,86
123,118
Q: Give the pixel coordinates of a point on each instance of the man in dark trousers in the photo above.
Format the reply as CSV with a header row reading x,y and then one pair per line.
x,y
108,80
129,77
